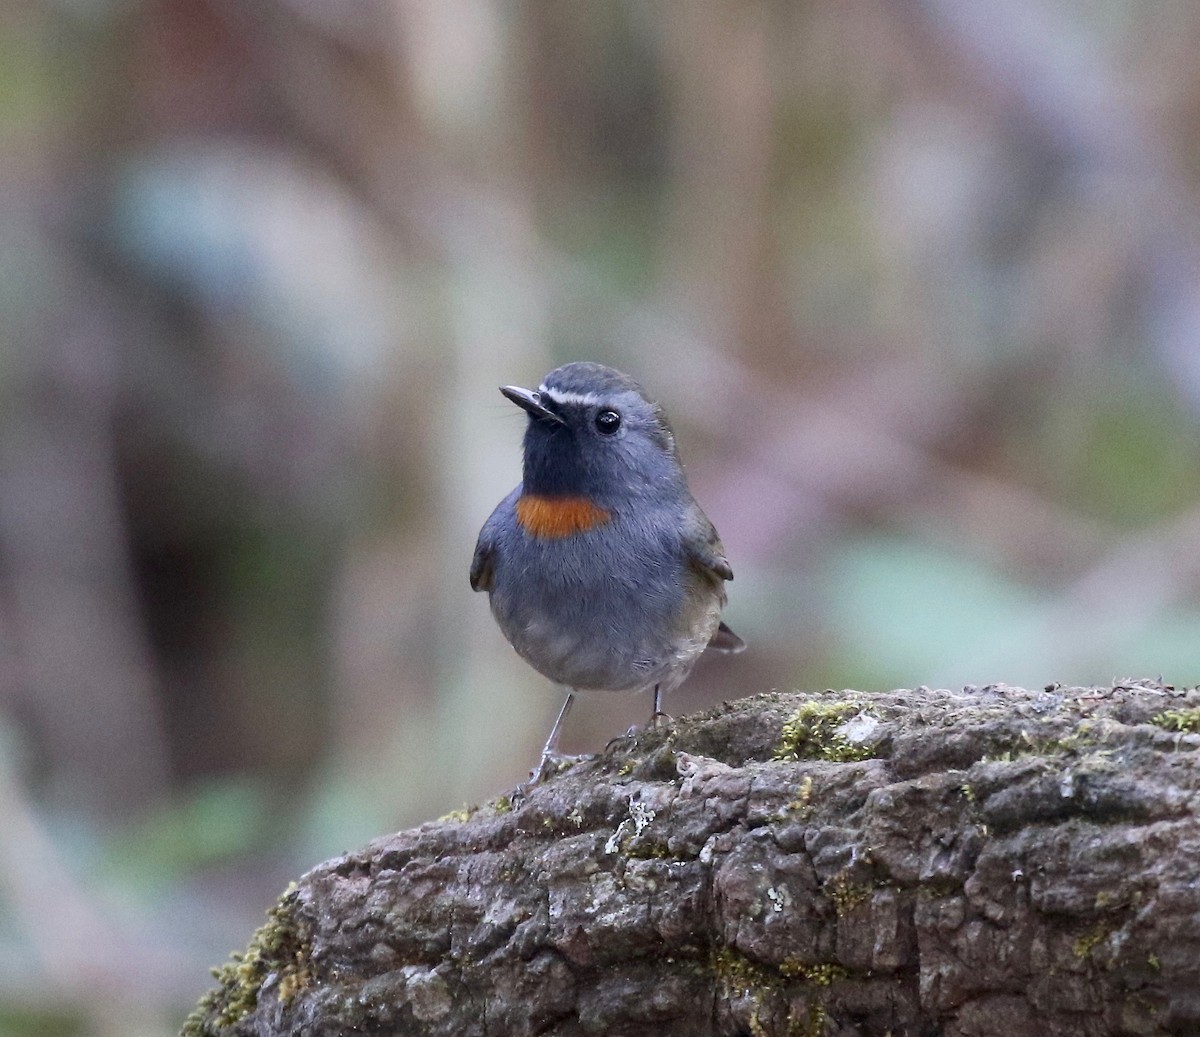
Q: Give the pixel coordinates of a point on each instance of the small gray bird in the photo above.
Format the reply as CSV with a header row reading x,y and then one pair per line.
x,y
601,569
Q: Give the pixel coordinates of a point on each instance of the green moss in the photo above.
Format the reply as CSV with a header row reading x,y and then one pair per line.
x,y
801,802
811,733
821,974
846,895
460,815
800,805
738,976
280,947
648,850
744,976
1089,941
1058,745
941,886
812,1025
1185,721
1084,736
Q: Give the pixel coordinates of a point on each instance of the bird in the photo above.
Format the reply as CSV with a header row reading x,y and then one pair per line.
x,y
600,568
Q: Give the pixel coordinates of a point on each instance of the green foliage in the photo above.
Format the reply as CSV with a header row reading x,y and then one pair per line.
x,y
904,611
904,608
20,1020
220,820
1131,461
35,89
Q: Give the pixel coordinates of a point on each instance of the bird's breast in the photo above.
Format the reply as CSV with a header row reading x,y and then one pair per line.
x,y
552,518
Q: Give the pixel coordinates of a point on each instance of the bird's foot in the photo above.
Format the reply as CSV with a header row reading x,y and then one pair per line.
x,y
657,720
622,741
549,765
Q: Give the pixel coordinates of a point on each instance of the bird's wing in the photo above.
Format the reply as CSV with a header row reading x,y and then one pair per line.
x,y
703,547
706,553
490,539
481,562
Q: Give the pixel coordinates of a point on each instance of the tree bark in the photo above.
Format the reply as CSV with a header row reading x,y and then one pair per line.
x,y
981,862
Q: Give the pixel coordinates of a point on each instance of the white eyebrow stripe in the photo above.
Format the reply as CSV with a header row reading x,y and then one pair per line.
x,y
585,399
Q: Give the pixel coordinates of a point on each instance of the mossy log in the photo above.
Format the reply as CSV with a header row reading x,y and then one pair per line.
x,y
967,863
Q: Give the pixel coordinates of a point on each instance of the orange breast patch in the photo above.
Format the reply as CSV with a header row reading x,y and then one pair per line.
x,y
557,517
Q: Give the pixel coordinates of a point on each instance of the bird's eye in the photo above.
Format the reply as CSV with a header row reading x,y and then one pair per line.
x,y
607,422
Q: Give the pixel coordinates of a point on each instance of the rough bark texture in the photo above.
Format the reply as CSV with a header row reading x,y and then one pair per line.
x,y
971,863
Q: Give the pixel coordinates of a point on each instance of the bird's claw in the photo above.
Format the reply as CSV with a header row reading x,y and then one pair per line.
x,y
549,765
656,721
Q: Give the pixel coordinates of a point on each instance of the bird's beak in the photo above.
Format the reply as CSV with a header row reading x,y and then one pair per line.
x,y
531,401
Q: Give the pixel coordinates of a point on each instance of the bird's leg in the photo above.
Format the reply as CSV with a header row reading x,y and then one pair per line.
x,y
552,738
549,758
658,717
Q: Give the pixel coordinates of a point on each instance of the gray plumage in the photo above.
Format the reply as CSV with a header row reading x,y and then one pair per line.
x,y
632,601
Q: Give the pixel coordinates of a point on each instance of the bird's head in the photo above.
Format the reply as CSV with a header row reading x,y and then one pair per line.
x,y
594,432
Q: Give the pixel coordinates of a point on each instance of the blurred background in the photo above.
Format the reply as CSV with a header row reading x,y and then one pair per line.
x,y
917,280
